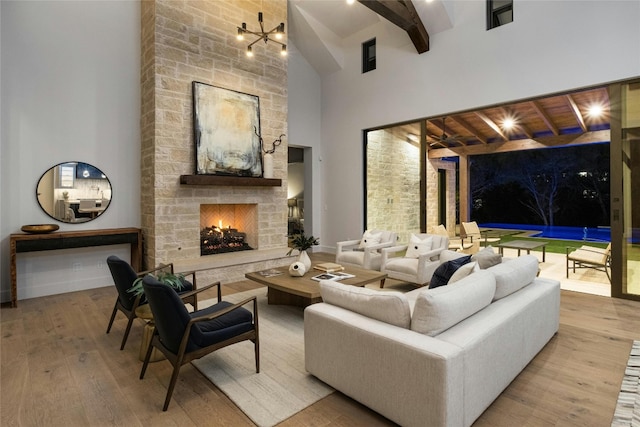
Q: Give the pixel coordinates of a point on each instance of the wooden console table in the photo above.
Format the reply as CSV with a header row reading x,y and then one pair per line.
x,y
23,242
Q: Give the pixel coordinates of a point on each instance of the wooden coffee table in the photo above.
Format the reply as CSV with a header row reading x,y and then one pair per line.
x,y
304,291
524,245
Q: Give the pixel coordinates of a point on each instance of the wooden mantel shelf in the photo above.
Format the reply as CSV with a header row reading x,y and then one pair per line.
x,y
240,181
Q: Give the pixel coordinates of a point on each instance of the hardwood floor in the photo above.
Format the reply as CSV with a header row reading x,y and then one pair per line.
x,y
58,367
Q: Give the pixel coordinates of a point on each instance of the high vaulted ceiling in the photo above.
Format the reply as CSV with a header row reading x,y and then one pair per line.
x,y
318,27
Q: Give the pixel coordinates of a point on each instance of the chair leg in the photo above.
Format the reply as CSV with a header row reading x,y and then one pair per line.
x,y
172,384
146,359
113,316
256,345
126,332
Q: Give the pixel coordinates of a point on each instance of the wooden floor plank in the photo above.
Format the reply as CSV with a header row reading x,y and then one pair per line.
x,y
58,363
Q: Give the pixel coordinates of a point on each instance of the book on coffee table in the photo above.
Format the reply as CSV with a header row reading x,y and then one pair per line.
x,y
337,275
328,267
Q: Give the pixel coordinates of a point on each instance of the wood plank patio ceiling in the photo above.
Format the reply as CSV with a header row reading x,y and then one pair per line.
x,y
551,121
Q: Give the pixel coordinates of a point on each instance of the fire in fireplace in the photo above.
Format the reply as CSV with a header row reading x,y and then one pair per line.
x,y
216,240
237,233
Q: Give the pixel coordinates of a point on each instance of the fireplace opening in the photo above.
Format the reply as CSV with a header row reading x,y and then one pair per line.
x,y
227,228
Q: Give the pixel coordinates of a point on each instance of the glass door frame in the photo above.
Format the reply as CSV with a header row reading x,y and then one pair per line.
x,y
619,255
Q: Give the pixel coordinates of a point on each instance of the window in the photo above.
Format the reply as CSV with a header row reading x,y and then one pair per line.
x,y
369,55
499,12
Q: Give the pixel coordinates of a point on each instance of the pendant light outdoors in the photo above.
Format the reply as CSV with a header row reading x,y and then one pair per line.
x,y
274,35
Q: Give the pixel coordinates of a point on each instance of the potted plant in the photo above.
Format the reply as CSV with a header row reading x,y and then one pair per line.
x,y
302,243
176,281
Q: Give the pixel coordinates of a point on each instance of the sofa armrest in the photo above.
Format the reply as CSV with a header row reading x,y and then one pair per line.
x,y
410,378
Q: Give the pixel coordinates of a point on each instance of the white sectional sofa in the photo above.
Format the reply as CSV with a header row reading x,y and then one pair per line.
x,y
432,357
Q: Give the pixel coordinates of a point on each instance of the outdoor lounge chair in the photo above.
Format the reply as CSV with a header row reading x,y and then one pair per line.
x,y
590,257
470,232
455,243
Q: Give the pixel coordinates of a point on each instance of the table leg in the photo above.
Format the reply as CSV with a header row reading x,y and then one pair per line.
x,y
14,274
544,253
147,334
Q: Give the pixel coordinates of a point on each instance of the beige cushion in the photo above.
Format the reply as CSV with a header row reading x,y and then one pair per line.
x,y
436,310
463,272
514,274
402,265
486,257
387,306
418,246
449,255
370,238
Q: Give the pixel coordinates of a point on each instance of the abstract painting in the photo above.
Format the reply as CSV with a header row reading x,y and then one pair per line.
x,y
226,127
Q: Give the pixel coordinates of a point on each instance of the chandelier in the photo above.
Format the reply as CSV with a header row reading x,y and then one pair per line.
x,y
274,35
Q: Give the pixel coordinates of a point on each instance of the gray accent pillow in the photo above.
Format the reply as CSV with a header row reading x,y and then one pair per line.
x,y
486,258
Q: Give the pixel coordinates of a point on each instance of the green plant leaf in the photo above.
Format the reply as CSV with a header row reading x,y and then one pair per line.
x,y
302,243
175,281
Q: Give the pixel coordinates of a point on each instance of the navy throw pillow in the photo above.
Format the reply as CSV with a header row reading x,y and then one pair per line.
x,y
443,273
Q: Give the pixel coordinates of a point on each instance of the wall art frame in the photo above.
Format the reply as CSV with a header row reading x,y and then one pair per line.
x,y
226,127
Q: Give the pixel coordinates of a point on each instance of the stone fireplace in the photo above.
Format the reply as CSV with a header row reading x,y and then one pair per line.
x,y
228,228
183,42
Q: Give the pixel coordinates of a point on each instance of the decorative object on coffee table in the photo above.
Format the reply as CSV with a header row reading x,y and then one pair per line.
x,y
297,269
302,243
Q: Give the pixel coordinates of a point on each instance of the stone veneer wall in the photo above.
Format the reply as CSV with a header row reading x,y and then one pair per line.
x,y
186,41
393,183
433,165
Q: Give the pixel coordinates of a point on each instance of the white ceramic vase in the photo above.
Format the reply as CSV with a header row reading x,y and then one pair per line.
x,y
297,269
303,257
267,165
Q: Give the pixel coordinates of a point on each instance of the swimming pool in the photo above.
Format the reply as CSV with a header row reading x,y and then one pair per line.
x,y
593,234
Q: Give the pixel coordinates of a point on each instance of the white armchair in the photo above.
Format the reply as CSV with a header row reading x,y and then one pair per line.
x,y
365,252
420,261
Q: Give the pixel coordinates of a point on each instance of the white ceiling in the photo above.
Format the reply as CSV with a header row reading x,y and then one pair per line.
x,y
317,27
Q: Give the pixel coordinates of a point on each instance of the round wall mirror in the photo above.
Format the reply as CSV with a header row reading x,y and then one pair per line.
x,y
74,192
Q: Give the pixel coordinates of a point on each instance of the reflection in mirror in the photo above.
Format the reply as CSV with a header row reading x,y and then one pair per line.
x,y
74,192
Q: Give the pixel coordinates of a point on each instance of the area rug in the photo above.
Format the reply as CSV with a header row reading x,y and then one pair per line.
x,y
283,387
628,407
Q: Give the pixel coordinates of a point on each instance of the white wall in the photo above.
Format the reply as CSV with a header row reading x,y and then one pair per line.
x,y
551,46
304,97
70,74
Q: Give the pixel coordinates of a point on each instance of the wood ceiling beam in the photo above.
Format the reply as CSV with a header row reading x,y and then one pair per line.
x,y
576,112
523,144
492,125
470,129
545,117
403,14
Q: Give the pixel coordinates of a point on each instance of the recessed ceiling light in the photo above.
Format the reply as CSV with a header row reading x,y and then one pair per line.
x,y
595,110
350,1
508,123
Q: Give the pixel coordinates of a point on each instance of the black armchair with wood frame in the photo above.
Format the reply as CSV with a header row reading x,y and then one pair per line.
x,y
182,336
123,277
